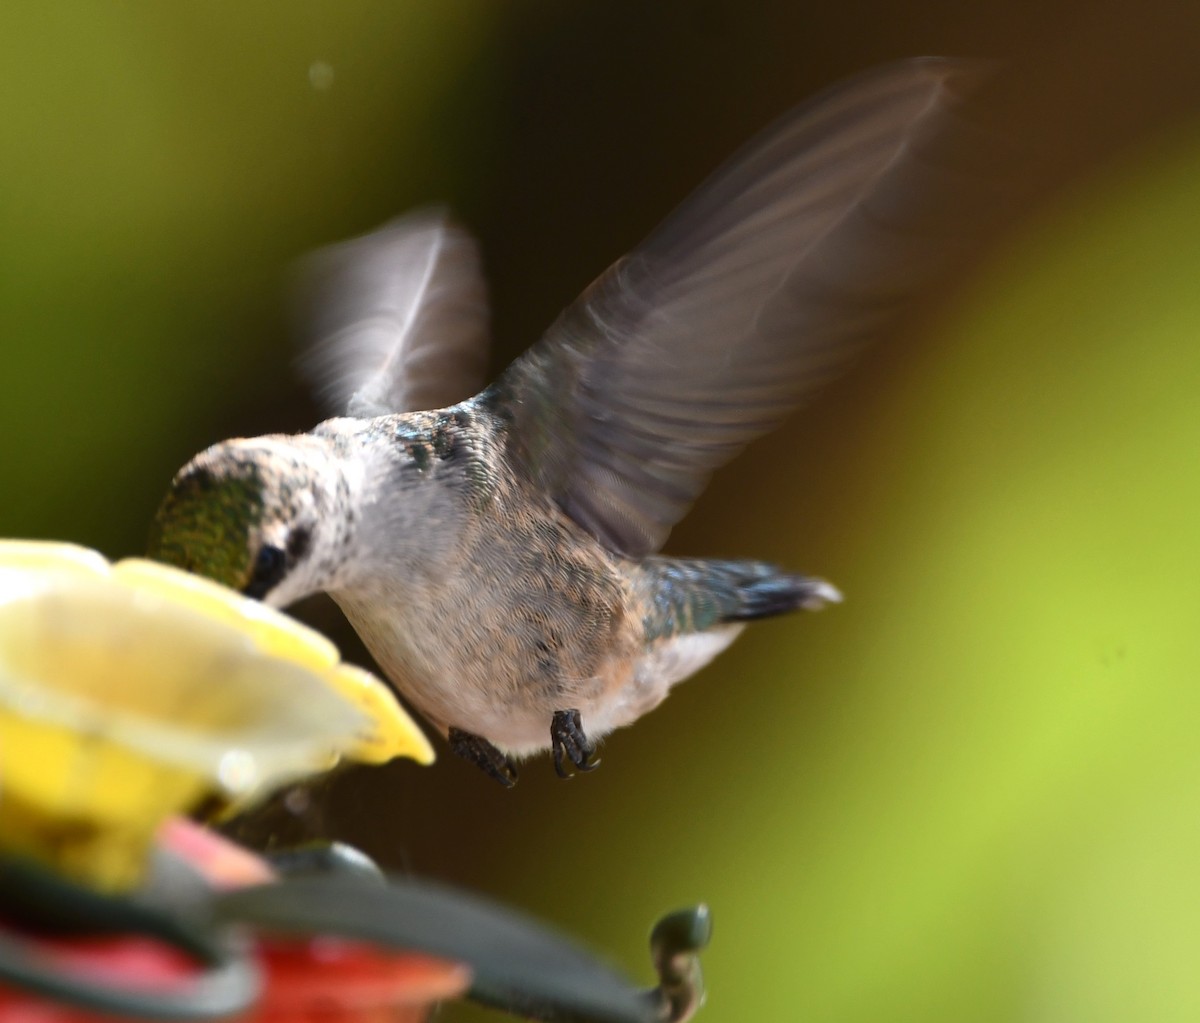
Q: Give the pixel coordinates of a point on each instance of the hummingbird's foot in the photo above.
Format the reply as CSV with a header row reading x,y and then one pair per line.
x,y
568,739
485,756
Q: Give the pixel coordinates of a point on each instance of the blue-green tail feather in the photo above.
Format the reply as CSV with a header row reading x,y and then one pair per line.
x,y
694,595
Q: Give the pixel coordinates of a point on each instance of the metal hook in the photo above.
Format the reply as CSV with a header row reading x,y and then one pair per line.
x,y
675,944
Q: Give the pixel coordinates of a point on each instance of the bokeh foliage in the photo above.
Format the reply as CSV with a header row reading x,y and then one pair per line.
x,y
970,792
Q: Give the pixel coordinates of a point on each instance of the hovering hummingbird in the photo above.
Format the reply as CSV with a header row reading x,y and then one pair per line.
x,y
497,554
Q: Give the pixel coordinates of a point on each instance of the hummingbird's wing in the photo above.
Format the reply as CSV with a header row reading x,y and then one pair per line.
x,y
398,318
756,290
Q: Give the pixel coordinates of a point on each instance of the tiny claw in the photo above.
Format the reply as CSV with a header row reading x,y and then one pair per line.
x,y
478,751
569,741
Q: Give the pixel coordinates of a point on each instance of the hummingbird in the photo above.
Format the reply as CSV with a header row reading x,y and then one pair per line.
x,y
497,547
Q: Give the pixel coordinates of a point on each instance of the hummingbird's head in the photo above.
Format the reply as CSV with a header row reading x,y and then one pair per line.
x,y
251,514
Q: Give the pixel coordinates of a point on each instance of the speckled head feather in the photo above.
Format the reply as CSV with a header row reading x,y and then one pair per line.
x,y
210,519
269,516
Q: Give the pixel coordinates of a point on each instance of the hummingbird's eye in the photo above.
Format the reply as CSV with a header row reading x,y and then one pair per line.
x,y
269,568
299,542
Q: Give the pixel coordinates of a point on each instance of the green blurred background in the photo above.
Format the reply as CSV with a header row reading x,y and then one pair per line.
x,y
971,792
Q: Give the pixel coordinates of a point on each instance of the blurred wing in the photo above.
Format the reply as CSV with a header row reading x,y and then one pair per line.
x,y
398,319
756,290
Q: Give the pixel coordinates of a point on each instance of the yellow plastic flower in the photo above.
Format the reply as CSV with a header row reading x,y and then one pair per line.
x,y
132,691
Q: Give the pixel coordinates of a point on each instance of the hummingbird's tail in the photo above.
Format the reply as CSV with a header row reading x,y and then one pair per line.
x,y
775,592
696,594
